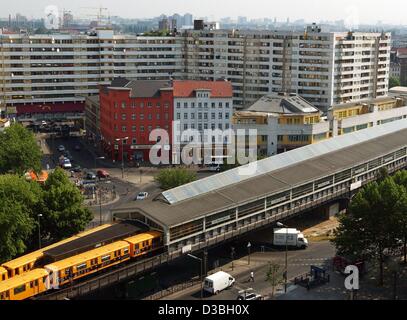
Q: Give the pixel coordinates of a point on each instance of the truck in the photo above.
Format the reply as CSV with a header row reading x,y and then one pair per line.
x,y
290,237
218,281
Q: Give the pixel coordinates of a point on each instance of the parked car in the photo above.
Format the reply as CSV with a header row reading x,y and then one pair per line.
x,y
61,148
249,296
77,169
67,164
102,174
142,196
215,168
90,175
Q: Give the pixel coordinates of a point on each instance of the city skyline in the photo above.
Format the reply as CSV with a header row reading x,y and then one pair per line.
x,y
353,12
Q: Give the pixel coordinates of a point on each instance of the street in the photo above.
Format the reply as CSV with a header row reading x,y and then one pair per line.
x,y
299,262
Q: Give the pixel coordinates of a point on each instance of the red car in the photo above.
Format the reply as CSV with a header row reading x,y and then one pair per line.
x,y
102,174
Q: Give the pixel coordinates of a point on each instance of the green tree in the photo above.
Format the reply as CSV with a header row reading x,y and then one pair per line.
x,y
394,82
274,276
18,199
172,178
19,151
401,179
62,207
369,228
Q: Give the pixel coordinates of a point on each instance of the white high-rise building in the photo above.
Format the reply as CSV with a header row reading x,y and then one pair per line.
x,y
41,72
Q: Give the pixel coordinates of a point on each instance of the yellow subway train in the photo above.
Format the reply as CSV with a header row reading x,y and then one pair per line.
x,y
33,260
64,272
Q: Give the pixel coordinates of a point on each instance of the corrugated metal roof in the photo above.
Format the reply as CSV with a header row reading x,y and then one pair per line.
x,y
280,161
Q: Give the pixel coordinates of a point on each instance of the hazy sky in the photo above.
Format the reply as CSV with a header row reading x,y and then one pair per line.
x,y
364,11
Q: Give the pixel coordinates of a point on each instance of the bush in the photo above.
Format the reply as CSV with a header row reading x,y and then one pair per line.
x,y
172,178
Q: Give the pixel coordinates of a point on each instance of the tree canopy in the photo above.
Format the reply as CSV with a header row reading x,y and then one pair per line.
x,y
62,207
59,202
394,82
19,151
172,178
18,199
371,226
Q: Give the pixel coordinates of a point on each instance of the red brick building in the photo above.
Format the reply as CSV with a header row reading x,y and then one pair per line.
x,y
133,109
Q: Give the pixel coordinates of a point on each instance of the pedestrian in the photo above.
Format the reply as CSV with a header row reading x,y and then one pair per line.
x,y
252,276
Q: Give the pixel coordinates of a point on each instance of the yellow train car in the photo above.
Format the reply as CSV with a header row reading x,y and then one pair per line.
x,y
24,286
64,271
3,274
145,243
31,260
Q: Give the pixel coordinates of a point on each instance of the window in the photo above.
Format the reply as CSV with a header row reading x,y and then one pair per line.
x,y
213,117
133,116
150,116
19,289
166,105
185,104
178,116
227,116
149,104
227,104
158,116
200,116
192,116
178,105
115,105
220,104
123,104
200,105
213,105
115,116
123,116
205,116
158,105
220,127
141,104
205,105
141,116
133,128
150,128
192,104
185,126
185,116
220,116
124,129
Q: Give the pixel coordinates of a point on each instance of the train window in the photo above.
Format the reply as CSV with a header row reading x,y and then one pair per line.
x,y
136,246
81,266
19,289
126,251
105,258
36,283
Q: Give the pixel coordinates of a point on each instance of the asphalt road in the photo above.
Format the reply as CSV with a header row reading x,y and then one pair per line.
x,y
299,262
86,159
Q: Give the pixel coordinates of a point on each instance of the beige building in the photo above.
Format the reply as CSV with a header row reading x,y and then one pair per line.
x,y
286,122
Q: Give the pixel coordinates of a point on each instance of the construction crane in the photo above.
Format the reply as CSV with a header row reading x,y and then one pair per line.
x,y
99,15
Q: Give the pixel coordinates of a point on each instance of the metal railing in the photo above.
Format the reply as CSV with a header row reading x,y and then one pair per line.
x,y
173,289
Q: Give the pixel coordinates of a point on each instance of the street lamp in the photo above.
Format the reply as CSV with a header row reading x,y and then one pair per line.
x,y
232,254
200,260
39,230
281,225
249,245
122,139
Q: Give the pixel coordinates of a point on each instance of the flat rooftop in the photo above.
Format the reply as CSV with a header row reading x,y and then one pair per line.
x,y
275,174
108,235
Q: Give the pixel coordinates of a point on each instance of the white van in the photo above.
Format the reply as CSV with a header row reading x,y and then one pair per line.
x,y
218,281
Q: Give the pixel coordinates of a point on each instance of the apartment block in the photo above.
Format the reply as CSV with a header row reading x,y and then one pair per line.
x,y
325,68
46,72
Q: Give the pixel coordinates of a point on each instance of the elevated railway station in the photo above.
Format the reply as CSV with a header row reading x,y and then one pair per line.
x,y
217,208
